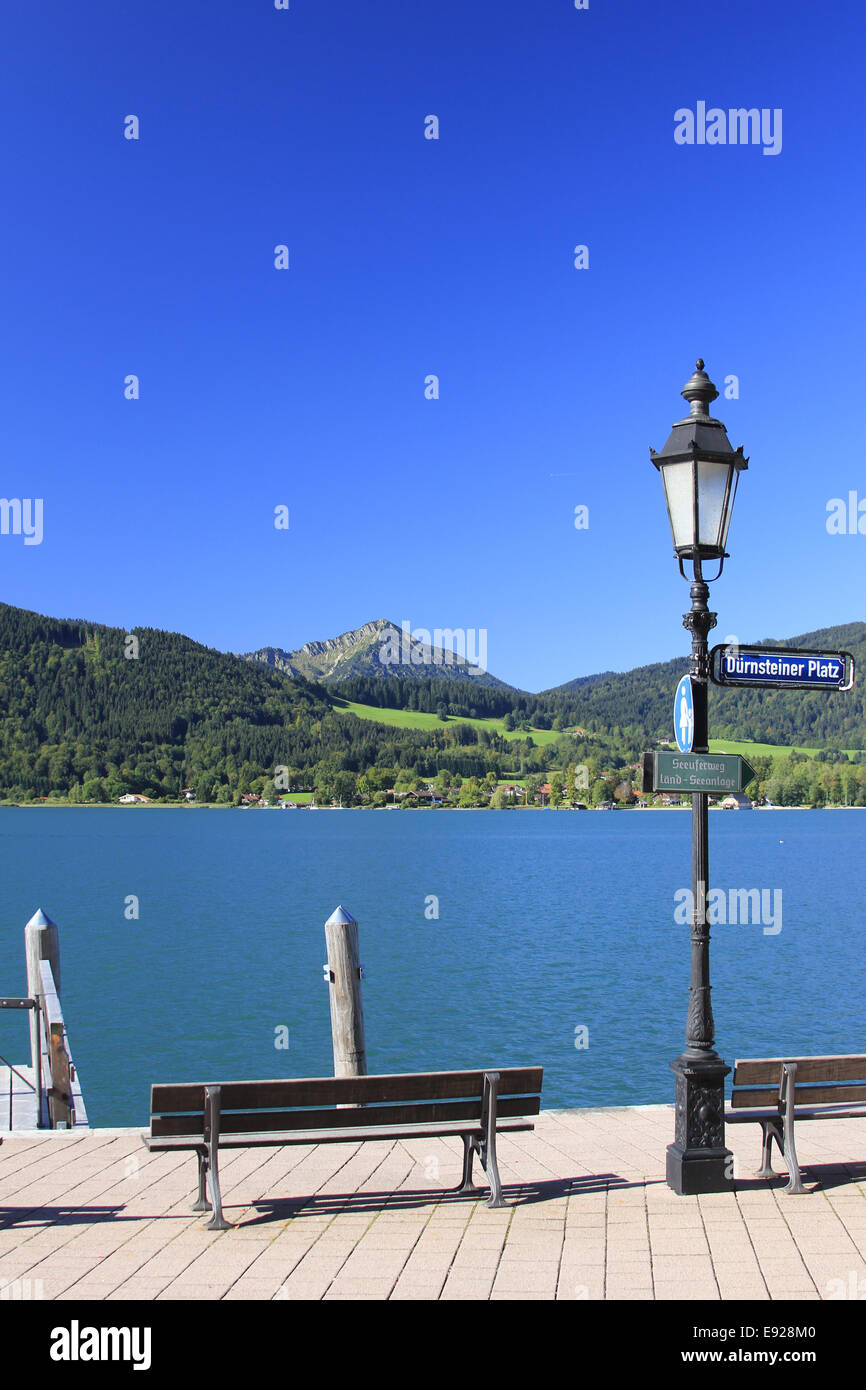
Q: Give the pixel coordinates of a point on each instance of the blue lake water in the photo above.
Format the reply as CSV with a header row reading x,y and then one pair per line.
x,y
547,922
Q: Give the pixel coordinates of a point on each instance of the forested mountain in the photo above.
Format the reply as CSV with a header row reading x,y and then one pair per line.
x,y
381,651
90,713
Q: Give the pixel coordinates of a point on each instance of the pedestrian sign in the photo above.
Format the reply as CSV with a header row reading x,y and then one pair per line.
x,y
684,715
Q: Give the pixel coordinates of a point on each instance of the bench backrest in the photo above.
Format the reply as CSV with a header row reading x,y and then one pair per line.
x,y
819,1081
248,1107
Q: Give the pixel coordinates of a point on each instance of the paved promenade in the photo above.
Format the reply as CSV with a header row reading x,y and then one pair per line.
x,y
95,1216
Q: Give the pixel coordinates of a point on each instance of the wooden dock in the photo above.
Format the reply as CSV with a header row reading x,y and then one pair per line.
x,y
26,1114
24,1110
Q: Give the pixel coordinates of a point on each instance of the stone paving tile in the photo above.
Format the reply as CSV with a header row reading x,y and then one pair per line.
x,y
393,1239
144,1289
308,1288
353,1297
461,1294
580,1288
527,1280
751,1291
690,1292
474,1259
425,1291
482,1240
196,1293
368,1285
527,1296
532,1253
260,1290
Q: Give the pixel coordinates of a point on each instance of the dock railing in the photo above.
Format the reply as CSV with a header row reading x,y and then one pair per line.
x,y
58,1100
63,1096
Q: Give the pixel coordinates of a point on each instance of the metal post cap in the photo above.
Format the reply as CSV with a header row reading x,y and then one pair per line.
x,y
340,918
39,919
699,391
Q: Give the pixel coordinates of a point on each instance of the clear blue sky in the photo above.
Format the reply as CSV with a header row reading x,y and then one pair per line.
x,y
408,257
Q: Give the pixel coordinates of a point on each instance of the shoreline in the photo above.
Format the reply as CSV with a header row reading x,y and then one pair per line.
x,y
221,806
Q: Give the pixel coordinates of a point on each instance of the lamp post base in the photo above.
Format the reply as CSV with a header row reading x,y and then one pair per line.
x,y
695,1171
698,1160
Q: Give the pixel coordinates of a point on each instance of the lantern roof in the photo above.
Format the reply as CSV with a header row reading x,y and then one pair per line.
x,y
699,434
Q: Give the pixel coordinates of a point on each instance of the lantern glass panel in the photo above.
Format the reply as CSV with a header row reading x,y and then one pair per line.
x,y
680,497
735,477
713,485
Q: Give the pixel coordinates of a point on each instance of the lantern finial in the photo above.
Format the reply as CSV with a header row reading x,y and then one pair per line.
x,y
699,391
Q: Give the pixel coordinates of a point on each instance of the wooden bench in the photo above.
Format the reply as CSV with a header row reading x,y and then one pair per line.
x,y
777,1091
476,1105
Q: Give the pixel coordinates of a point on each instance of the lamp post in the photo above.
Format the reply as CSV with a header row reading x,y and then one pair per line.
x,y
699,471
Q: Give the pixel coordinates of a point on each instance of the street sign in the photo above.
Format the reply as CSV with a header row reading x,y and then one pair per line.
x,y
716,773
684,715
781,668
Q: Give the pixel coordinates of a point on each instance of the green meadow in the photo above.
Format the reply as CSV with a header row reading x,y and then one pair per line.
x,y
420,719
761,750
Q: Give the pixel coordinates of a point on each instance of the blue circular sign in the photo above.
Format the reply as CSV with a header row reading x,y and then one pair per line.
x,y
684,715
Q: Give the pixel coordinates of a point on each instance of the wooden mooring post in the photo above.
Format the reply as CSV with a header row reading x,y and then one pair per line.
x,y
41,943
343,973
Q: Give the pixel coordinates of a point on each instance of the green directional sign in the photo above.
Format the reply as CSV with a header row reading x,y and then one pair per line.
x,y
716,773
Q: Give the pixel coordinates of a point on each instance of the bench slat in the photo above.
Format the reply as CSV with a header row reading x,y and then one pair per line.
x,y
803,1095
235,1122
344,1090
337,1136
826,1112
766,1071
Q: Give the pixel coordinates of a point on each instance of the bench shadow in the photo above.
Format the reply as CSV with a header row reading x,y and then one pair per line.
x,y
817,1177
20,1217
514,1194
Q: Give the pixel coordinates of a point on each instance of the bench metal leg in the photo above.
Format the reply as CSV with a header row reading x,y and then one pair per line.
x,y
488,1143
770,1130
795,1180
212,1137
466,1184
488,1158
202,1203
217,1221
